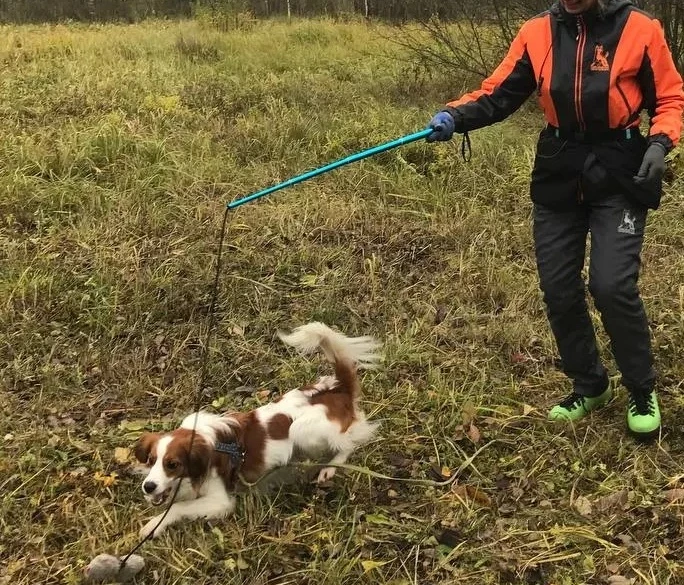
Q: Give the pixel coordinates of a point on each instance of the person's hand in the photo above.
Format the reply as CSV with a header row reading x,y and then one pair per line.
x,y
652,166
443,126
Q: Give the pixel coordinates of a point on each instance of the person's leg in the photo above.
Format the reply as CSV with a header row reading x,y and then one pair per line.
x,y
617,234
560,243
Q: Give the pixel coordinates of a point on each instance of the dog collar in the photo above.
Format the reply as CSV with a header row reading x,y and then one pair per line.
x,y
233,450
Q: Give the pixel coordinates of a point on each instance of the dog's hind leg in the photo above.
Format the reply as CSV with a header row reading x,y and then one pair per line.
x,y
327,473
346,443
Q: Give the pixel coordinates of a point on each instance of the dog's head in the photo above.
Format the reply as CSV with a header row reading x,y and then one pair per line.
x,y
171,459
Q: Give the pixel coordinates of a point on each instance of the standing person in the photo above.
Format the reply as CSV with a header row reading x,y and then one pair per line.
x,y
595,65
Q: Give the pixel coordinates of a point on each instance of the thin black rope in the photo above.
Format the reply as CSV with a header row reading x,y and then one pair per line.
x,y
203,372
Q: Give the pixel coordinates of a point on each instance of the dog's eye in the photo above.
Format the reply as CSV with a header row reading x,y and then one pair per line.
x,y
151,460
171,465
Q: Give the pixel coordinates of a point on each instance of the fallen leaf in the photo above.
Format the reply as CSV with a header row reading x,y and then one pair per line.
x,y
674,495
80,445
527,409
534,576
15,566
377,519
474,434
242,564
459,433
121,454
309,280
613,568
615,500
469,412
441,314
583,506
449,537
629,542
131,425
105,480
469,492
370,565
398,460
438,473
218,402
517,492
230,564
518,358
619,580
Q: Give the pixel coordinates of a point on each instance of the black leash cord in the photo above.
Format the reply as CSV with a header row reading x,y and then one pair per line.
x,y
203,371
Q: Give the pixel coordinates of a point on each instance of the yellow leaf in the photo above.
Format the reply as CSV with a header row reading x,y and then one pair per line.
x,y
230,564
106,480
121,454
469,411
370,565
583,506
309,280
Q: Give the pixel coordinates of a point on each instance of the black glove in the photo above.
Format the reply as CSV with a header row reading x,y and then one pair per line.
x,y
653,165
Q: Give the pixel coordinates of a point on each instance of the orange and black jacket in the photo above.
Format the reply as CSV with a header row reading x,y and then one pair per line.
x,y
593,74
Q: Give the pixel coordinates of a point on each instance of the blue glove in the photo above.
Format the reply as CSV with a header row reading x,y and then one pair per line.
x,y
443,126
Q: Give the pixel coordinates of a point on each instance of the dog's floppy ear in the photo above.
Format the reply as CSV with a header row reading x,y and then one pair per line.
x,y
144,446
198,459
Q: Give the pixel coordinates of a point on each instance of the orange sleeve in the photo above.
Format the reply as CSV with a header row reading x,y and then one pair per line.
x,y
666,119
502,93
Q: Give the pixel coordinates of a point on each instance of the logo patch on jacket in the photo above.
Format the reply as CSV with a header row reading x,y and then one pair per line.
x,y
600,62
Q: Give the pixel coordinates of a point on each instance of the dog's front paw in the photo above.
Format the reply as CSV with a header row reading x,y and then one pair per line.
x,y
326,474
151,526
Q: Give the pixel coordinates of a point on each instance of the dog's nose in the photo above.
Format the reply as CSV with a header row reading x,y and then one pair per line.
x,y
149,487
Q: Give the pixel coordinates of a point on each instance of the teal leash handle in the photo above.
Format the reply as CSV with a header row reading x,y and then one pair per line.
x,y
332,166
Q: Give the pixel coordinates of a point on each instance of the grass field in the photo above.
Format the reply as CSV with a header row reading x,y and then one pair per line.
x,y
120,146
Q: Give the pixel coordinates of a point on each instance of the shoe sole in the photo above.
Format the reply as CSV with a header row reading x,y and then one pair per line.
x,y
598,406
645,436
566,419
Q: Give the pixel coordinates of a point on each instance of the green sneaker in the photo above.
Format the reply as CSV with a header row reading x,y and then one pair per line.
x,y
643,415
576,407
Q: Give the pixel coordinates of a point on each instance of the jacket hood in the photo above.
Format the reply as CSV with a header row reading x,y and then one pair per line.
x,y
603,8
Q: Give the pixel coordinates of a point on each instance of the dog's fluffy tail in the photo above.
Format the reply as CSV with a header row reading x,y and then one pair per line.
x,y
362,352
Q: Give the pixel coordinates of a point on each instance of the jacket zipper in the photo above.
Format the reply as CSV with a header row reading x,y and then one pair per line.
x,y
581,43
624,99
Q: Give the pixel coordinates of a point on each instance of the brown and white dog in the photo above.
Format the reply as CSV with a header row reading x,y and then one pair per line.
x,y
321,422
